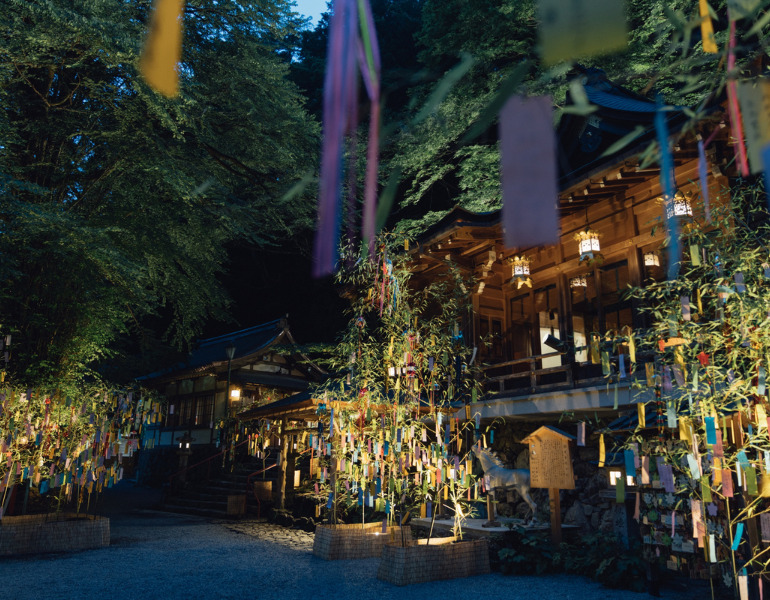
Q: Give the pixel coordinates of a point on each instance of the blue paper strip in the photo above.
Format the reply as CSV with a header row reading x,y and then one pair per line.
x,y
738,536
703,175
630,463
667,183
711,431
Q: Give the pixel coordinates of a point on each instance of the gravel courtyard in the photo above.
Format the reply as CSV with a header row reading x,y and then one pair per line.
x,y
167,556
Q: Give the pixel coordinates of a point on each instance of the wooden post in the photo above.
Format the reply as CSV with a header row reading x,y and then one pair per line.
x,y
491,521
554,504
282,467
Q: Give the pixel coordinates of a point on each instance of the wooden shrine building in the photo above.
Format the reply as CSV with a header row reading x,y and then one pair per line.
x,y
227,374
533,333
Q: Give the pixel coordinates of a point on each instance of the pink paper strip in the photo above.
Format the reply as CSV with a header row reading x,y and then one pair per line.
x,y
727,483
528,161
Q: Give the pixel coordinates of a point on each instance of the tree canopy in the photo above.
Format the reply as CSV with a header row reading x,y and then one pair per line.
x,y
117,204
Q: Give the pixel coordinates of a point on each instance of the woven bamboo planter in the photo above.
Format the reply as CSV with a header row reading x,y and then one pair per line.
x,y
337,542
62,532
444,558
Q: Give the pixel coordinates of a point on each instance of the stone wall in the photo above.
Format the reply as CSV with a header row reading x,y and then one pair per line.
x,y
63,532
590,506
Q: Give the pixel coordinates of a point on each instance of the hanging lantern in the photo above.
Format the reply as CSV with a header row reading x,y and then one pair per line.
x,y
578,282
679,206
520,266
651,259
588,244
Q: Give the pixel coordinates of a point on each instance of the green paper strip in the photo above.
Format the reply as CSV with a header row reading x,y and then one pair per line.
x,y
620,490
751,480
705,489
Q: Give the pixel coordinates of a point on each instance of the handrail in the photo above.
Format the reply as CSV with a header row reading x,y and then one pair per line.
x,y
205,460
519,361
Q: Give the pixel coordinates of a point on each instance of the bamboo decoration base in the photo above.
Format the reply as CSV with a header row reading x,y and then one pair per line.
x,y
341,542
444,558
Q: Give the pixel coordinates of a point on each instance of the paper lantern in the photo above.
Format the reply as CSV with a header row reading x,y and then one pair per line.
x,y
588,244
520,268
651,259
679,206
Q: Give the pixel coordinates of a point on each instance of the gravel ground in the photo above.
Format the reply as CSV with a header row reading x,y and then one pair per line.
x,y
170,557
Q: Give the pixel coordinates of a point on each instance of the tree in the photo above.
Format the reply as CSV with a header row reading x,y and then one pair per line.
x,y
116,204
708,335
402,371
452,157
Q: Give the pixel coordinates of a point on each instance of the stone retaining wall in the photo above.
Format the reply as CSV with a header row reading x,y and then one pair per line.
x,y
64,532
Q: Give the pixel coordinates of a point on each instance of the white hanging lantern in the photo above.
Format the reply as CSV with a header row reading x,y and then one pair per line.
x,y
578,282
588,244
651,259
520,271
679,206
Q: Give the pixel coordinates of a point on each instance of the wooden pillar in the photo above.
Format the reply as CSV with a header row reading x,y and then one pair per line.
x,y
282,467
555,506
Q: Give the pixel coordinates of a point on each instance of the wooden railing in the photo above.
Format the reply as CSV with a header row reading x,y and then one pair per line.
x,y
500,376
534,374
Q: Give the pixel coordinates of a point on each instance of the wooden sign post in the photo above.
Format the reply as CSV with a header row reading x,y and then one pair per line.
x,y
550,467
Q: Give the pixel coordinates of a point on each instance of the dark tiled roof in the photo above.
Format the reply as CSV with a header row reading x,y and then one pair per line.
x,y
211,352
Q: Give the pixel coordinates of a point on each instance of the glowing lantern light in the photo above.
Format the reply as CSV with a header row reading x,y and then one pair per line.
x,y
520,266
679,206
651,259
588,244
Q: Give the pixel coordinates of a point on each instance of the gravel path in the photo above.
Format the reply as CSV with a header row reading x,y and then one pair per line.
x,y
170,557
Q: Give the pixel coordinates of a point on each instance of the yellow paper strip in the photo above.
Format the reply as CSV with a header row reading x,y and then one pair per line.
x,y
163,49
602,454
707,28
572,29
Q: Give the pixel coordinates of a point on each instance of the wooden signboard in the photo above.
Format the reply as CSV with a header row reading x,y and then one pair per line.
x,y
550,466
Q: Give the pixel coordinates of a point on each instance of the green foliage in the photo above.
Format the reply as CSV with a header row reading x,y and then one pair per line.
x,y
528,552
451,158
68,440
401,370
116,204
720,364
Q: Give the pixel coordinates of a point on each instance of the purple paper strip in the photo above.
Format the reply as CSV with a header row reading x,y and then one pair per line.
x,y
703,176
528,166
340,76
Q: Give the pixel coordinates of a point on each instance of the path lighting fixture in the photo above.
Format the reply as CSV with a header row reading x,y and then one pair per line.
x,y
679,206
651,259
235,393
520,271
588,244
581,281
616,474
